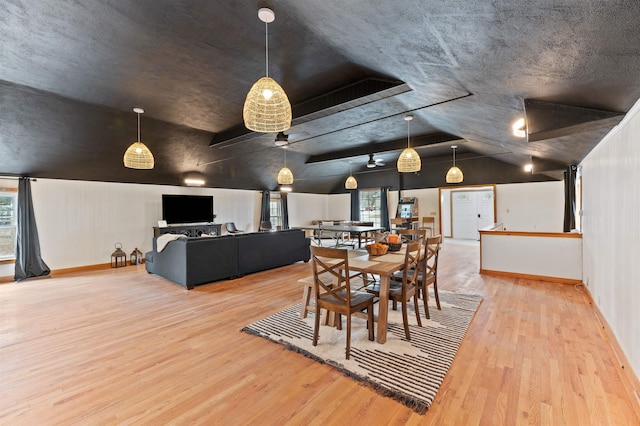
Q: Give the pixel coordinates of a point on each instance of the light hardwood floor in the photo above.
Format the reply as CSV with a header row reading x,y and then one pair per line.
x,y
124,347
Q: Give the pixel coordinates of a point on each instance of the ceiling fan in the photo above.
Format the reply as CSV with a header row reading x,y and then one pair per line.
x,y
283,139
378,162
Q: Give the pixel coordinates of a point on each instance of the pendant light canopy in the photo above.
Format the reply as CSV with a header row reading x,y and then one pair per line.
x,y
267,108
409,160
138,156
285,177
351,182
454,175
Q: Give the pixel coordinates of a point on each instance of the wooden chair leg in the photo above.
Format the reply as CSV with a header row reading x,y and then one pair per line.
x,y
370,322
316,326
306,298
425,300
416,305
435,292
405,320
348,335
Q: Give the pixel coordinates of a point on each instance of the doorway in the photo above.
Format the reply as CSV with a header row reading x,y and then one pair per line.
x,y
465,210
470,212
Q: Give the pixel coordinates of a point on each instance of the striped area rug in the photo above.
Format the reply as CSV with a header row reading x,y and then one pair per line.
x,y
408,371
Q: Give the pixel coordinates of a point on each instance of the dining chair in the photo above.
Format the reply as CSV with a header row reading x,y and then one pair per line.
x,y
337,297
428,223
409,287
231,228
406,288
428,272
396,223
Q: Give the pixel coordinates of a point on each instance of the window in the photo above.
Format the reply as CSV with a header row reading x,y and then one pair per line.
x,y
275,211
8,223
370,206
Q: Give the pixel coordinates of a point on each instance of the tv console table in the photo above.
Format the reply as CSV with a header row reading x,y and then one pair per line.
x,y
190,230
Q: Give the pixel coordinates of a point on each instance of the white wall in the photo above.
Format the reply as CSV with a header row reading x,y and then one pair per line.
x,y
531,207
303,208
79,222
611,231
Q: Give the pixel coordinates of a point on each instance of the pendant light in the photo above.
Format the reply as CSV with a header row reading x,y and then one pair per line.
x,y
409,160
454,175
285,177
267,108
138,156
351,182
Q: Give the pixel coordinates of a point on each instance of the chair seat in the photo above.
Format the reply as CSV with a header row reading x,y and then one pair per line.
x,y
357,297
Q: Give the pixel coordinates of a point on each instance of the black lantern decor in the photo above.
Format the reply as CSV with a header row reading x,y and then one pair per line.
x,y
136,257
118,257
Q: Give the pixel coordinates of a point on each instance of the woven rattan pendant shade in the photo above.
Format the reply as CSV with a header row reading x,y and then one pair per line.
x,y
454,175
351,183
285,177
409,161
270,115
267,108
138,156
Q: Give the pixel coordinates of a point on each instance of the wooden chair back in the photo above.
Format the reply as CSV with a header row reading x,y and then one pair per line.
x,y
412,234
428,272
337,296
333,262
428,222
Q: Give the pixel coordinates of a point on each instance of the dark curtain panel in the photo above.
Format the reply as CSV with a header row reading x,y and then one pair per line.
x,y
570,198
29,262
265,212
384,207
355,205
285,210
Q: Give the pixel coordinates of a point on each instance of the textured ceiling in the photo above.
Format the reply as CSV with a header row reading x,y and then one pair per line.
x,y
71,72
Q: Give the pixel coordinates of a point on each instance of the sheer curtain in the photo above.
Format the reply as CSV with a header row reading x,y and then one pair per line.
x,y
29,262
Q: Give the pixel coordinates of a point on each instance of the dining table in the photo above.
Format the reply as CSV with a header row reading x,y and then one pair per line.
x,y
384,266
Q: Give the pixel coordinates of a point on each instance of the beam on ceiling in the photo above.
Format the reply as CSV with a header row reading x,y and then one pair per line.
x,y
353,95
376,148
546,120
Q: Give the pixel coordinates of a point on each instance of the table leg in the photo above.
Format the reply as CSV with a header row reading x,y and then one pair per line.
x,y
383,309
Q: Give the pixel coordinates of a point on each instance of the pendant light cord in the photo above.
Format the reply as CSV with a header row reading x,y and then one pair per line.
x,y
408,133
454,157
138,127
266,50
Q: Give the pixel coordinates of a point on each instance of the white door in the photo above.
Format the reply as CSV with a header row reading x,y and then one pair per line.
x,y
485,209
465,210
471,211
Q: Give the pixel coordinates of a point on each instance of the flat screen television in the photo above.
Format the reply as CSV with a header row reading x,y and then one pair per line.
x,y
187,208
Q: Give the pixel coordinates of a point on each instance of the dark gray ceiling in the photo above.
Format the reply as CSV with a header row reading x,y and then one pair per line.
x,y
71,72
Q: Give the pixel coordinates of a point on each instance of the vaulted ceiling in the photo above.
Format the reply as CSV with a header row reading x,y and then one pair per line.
x,y
71,72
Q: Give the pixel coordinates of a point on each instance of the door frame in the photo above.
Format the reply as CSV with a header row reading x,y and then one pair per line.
x,y
447,231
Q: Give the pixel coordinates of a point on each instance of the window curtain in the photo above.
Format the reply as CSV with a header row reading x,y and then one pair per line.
x,y
285,210
265,211
29,262
384,207
570,198
355,205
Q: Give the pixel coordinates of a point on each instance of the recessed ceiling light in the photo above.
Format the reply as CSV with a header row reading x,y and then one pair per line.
x,y
519,128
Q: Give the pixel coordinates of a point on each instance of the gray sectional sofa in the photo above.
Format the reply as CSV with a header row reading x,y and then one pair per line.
x,y
200,260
